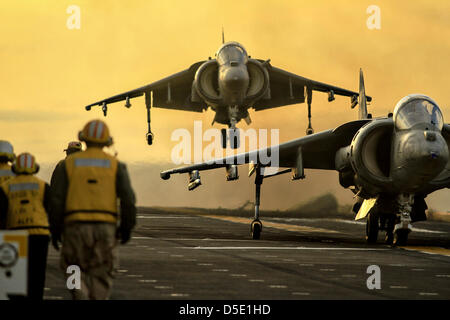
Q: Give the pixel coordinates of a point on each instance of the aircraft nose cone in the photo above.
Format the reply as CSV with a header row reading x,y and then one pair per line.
x,y
436,151
235,79
432,161
434,155
425,154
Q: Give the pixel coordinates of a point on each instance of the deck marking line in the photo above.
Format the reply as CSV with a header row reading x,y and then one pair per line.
x,y
276,225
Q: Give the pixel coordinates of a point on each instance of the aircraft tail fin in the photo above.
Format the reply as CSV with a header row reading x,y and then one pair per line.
x,y
362,97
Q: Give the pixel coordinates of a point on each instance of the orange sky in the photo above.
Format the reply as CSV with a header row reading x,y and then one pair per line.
x,y
49,73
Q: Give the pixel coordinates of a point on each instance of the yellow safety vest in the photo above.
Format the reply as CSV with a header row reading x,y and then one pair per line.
x,y
26,205
91,195
5,172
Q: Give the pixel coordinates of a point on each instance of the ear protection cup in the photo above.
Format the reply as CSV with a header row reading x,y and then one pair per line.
x,y
13,168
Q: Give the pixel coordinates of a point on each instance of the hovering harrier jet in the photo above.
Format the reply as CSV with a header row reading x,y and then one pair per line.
x,y
230,84
391,164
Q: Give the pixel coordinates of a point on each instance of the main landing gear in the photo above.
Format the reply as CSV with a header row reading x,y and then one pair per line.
x,y
372,227
397,226
232,135
377,222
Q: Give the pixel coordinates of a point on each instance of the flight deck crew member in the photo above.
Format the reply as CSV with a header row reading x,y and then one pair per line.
x,y
24,203
84,211
72,147
6,157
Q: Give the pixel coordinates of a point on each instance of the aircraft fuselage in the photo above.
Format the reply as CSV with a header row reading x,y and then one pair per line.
x,y
230,83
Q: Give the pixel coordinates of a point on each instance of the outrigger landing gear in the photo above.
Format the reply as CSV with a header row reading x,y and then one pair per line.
x,y
148,104
309,130
256,226
256,229
149,137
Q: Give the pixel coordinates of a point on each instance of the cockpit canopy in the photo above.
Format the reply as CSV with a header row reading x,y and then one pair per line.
x,y
231,52
415,109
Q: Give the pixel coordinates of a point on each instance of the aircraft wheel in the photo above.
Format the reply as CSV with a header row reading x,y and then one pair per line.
x,y
372,227
389,239
401,237
256,229
149,137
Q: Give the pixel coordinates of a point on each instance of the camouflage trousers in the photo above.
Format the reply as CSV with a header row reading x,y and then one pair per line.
x,y
91,247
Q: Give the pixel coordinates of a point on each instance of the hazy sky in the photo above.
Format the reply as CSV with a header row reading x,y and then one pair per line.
x,y
49,72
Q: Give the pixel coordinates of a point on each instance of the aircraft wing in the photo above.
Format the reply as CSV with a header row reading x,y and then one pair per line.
x,y
288,88
317,151
173,92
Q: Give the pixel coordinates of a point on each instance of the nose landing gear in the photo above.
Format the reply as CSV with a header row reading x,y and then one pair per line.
x,y
403,226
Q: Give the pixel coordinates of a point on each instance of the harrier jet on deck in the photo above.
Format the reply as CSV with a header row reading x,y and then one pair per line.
x,y
390,163
230,84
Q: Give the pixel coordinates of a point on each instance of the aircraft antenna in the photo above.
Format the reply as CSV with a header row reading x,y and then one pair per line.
x,y
223,36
